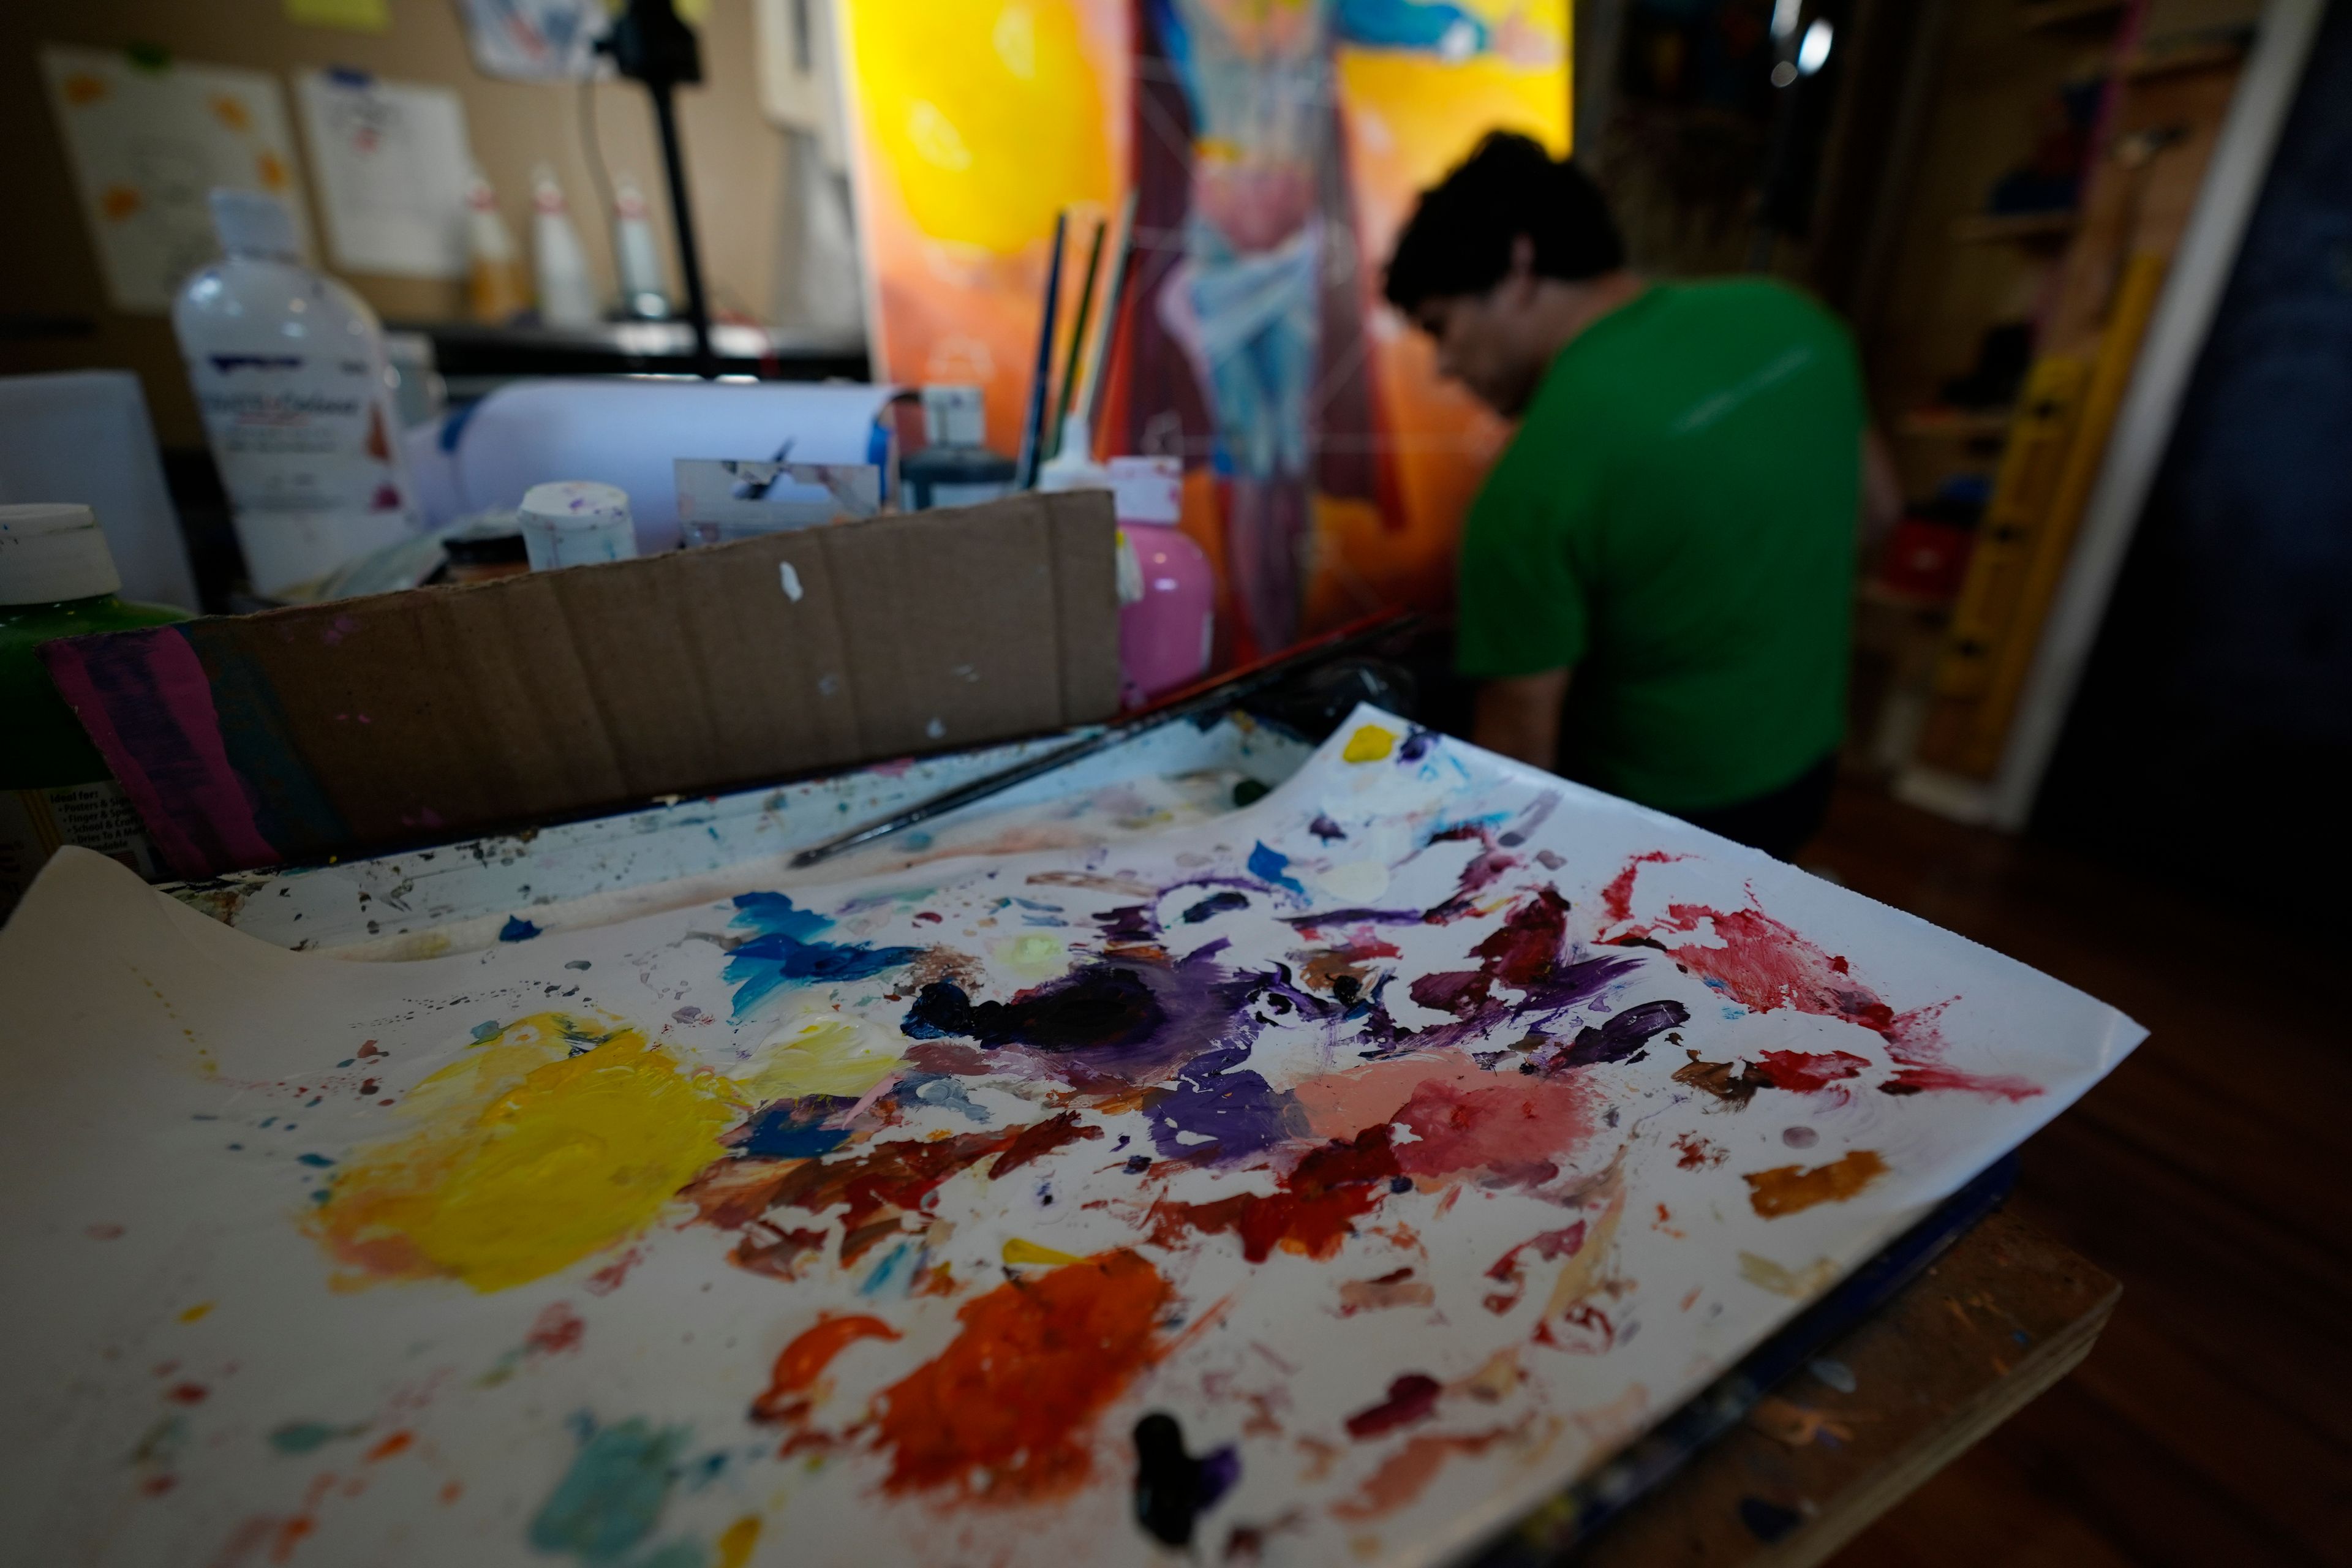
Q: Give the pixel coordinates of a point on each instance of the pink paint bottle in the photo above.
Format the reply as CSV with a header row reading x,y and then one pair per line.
x,y
1167,594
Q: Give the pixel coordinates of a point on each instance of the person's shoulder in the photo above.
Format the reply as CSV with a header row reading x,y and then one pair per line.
x,y
1755,297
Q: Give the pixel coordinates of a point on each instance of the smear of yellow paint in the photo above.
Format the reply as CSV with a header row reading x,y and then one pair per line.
x,y
1016,1250
823,1055
1797,1284
1369,744
1032,955
527,1158
190,1314
736,1542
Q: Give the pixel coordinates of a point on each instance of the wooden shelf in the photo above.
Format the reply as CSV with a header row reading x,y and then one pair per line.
x,y
2034,14
2014,229
2205,56
1878,595
1955,424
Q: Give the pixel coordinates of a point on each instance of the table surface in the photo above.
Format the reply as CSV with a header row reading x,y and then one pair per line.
x,y
2003,1315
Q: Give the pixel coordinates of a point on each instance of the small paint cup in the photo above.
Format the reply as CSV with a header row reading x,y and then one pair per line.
x,y
576,522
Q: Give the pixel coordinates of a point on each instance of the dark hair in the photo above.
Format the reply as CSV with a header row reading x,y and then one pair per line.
x,y
1459,239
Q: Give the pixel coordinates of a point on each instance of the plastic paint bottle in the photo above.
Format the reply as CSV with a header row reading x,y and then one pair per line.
x,y
955,468
567,294
576,522
636,255
495,290
1167,593
289,373
57,580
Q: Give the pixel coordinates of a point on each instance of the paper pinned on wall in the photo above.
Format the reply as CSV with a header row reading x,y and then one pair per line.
x,y
352,16
535,40
392,160
147,141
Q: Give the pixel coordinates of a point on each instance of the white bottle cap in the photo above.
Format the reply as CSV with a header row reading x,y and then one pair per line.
x,y
247,223
51,551
575,522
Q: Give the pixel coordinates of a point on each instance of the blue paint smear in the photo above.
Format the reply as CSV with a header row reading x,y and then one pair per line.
x,y
794,1130
516,928
612,1496
785,952
947,1093
321,1161
485,1030
885,1272
1272,868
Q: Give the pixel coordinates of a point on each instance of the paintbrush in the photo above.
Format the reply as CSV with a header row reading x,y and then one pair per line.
x,y
1122,251
1190,701
1032,425
1077,339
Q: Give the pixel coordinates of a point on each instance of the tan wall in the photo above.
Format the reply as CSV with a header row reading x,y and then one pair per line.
x,y
50,269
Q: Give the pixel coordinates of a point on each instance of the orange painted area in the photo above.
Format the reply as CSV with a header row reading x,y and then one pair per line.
x,y
802,1361
1791,1189
1005,1414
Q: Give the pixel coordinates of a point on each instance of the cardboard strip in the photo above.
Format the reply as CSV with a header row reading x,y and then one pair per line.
x,y
409,718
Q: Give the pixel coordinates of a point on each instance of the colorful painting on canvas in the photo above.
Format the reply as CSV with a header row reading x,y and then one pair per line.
x,y
1272,149
1333,1178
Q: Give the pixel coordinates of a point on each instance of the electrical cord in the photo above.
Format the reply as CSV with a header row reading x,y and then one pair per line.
x,y
594,147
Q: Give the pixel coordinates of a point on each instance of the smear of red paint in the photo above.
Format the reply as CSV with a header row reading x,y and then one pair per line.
x,y
774,1251
1412,1397
1520,1129
187,1393
557,1328
1804,1072
899,1175
368,1049
1992,1086
1516,954
1312,1214
1406,1474
1764,965
1617,898
1006,1412
156,1486
607,1279
802,1361
1549,1245
398,1443
1694,1152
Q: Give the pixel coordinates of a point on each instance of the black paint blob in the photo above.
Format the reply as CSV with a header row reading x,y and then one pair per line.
x,y
1092,1008
1173,1489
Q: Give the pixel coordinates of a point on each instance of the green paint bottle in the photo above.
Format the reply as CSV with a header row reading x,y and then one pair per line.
x,y
57,580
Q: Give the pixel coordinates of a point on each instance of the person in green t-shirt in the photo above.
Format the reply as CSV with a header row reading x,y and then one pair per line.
x,y
1657,580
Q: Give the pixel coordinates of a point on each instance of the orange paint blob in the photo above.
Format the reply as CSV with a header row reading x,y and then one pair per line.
x,y
1790,1189
1006,1412
802,1361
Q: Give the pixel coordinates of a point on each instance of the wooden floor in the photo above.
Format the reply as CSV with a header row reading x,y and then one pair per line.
x,y
2212,1424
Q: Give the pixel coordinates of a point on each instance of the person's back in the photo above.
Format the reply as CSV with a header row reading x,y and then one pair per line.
x,y
1668,542
1675,519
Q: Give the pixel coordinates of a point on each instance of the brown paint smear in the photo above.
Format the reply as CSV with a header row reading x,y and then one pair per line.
x,y
1790,1189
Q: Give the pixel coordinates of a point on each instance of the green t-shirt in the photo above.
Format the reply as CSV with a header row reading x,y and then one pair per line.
x,y
1675,519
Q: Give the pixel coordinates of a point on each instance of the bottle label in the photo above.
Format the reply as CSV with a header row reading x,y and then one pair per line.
x,y
35,822
299,432
309,455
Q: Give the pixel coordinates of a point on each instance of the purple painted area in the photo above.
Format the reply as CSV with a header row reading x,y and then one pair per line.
x,y
1216,1099
1624,1033
147,703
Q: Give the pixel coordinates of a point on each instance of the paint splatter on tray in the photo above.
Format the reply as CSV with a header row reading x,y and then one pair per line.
x,y
1332,1179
